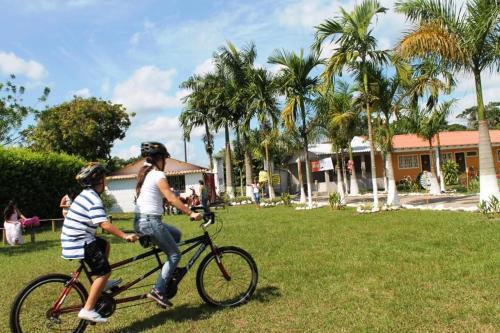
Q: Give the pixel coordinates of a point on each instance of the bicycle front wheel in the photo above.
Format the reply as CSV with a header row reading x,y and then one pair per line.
x,y
32,310
227,279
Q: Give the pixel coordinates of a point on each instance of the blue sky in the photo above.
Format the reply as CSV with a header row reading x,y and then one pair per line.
x,y
138,52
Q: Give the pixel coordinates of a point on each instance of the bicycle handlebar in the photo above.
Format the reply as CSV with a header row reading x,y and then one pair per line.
x,y
208,218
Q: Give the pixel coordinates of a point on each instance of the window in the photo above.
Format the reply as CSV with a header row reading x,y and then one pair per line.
x,y
177,182
471,153
446,157
408,162
498,155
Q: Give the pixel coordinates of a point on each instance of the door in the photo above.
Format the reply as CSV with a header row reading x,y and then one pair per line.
x,y
460,159
425,162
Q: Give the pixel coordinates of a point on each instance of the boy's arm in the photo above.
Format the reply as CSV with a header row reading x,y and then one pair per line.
x,y
117,232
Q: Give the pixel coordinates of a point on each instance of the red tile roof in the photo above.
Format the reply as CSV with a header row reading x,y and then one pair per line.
x,y
173,167
456,138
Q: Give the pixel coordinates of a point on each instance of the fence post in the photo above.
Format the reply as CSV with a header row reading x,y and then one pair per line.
x,y
53,225
32,234
4,236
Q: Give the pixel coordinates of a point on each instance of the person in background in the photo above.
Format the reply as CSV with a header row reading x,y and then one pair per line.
x,y
204,196
256,192
78,236
152,186
12,225
65,203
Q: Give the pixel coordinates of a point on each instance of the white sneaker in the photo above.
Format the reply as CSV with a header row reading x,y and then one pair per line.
x,y
111,284
92,316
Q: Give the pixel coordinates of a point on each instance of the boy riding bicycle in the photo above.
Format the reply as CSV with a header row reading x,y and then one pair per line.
x,y
78,238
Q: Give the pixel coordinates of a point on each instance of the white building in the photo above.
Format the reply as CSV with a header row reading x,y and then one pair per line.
x,y
180,175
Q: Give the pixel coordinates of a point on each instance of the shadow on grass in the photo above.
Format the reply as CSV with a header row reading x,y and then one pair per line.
x,y
28,247
187,312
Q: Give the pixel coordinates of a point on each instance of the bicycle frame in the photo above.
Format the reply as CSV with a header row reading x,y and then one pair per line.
x,y
200,242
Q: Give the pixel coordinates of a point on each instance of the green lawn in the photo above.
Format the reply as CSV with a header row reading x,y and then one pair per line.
x,y
320,271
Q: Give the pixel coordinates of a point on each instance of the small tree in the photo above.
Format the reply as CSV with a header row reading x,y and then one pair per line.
x,y
85,127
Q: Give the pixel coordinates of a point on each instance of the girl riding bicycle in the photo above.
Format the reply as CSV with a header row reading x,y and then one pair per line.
x,y
152,187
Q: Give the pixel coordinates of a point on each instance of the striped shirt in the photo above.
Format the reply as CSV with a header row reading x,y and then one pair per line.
x,y
84,216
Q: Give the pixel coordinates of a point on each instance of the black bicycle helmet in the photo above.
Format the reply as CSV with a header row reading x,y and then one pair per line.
x,y
153,148
91,174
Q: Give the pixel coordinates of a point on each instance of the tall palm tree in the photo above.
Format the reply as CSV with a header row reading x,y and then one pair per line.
x,y
388,92
222,90
430,78
197,110
334,113
427,124
297,84
264,107
466,38
239,67
356,51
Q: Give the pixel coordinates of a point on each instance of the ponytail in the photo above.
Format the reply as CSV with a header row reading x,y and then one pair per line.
x,y
149,164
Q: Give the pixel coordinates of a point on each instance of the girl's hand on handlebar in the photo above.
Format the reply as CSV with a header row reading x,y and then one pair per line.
x,y
131,237
195,216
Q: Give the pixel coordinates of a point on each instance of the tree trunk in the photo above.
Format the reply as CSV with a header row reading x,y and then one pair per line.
x,y
354,188
439,165
392,190
344,173
308,166
372,146
229,167
435,190
301,180
248,171
269,175
208,146
488,184
340,182
384,171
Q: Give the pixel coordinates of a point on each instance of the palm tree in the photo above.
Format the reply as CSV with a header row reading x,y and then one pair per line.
x,y
263,106
197,111
466,39
356,52
239,66
430,78
388,93
295,82
427,124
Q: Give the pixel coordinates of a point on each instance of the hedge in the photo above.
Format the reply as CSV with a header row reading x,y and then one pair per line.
x,y
37,181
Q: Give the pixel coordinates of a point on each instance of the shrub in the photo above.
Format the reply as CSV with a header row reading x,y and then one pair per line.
x,y
335,201
474,185
286,198
37,181
490,208
450,172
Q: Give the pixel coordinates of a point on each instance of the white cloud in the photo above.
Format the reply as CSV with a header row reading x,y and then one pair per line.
x,y
205,67
147,89
307,13
126,153
84,92
168,131
465,91
12,64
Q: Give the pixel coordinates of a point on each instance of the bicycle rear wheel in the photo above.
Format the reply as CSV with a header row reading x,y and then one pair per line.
x,y
32,308
228,279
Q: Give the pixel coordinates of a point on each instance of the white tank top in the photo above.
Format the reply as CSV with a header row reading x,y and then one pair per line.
x,y
150,200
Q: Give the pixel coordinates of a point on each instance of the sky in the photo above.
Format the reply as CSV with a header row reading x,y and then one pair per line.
x,y
137,53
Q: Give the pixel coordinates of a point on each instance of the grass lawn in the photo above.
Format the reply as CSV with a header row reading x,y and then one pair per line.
x,y
319,271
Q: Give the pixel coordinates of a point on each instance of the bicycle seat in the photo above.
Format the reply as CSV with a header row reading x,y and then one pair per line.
x,y
145,241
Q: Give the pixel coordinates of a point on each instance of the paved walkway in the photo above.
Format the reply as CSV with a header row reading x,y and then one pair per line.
x,y
422,201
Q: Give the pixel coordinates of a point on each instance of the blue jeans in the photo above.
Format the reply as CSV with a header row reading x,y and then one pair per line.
x,y
166,237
